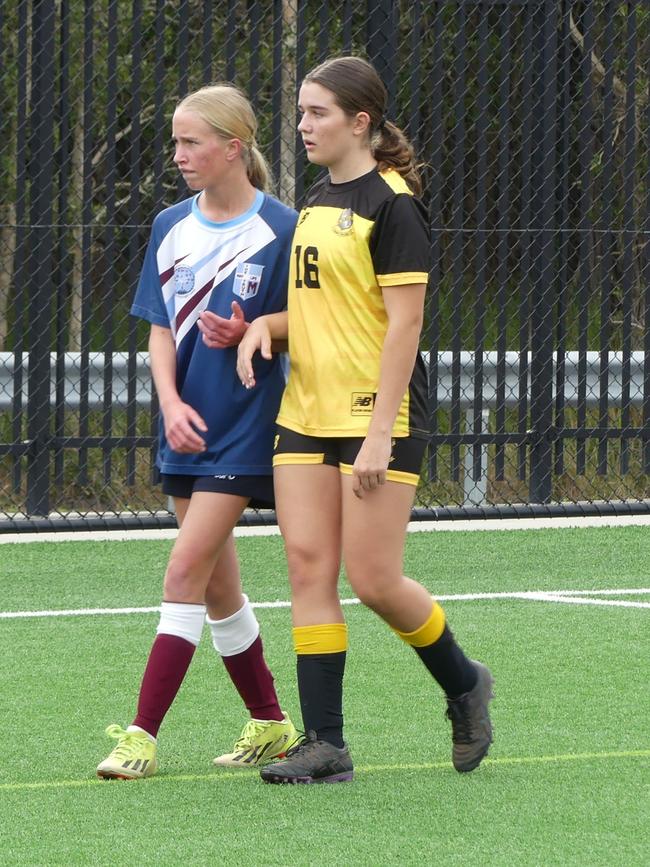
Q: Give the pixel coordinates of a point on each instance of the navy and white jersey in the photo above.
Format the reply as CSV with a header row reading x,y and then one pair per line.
x,y
191,265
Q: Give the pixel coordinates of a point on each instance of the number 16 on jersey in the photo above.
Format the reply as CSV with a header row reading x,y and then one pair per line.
x,y
306,267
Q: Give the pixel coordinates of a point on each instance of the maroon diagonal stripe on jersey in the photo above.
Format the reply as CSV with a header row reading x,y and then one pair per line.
x,y
185,311
166,275
236,256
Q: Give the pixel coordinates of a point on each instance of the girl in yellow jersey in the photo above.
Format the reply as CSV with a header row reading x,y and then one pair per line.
x,y
352,424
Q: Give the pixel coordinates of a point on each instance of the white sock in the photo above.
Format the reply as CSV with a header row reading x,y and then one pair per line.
x,y
236,633
184,620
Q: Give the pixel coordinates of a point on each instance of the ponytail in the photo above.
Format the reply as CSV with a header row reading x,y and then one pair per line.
x,y
393,150
257,169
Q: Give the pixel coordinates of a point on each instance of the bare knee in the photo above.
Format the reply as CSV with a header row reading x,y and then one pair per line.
x,y
185,579
311,569
374,598
376,591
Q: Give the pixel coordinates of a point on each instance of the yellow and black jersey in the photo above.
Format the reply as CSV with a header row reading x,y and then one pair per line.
x,y
351,240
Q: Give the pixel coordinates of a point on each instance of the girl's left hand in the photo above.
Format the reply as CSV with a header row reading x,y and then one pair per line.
x,y
369,469
220,333
258,337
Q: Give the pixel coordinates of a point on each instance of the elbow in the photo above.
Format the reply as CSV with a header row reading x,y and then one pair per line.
x,y
418,322
407,330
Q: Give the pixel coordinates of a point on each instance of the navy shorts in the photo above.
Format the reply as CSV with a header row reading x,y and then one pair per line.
x,y
258,488
292,448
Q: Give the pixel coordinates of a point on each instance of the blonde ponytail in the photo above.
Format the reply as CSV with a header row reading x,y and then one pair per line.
x,y
258,170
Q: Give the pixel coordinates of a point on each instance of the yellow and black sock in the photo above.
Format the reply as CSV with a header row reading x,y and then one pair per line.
x,y
321,652
436,646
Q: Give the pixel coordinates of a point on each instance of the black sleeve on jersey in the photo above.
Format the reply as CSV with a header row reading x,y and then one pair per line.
x,y
313,192
400,240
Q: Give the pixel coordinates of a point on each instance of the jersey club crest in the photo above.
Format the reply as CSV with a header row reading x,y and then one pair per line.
x,y
185,279
247,280
344,222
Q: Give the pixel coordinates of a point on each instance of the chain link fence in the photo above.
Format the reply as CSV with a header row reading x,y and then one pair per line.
x,y
531,118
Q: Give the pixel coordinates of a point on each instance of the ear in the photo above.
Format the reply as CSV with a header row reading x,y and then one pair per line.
x,y
361,123
233,149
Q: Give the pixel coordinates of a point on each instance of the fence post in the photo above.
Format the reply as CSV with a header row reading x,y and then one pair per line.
x,y
40,287
543,212
381,40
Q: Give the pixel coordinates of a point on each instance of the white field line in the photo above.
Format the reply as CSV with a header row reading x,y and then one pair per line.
x,y
585,600
581,597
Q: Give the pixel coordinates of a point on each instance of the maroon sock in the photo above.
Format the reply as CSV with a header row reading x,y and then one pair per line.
x,y
168,661
254,682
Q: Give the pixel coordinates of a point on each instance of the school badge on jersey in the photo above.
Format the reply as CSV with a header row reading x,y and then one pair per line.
x,y
344,222
185,279
247,280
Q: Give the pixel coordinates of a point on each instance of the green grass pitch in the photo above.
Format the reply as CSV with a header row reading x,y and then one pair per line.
x,y
567,781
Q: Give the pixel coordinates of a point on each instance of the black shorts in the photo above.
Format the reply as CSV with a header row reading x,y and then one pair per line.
x,y
292,448
258,488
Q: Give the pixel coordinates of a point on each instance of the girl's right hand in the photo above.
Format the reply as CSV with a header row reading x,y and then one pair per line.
x,y
181,424
257,337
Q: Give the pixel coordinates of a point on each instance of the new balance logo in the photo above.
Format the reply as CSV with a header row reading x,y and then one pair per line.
x,y
362,402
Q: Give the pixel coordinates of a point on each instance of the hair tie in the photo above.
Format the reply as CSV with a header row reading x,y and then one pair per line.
x,y
382,122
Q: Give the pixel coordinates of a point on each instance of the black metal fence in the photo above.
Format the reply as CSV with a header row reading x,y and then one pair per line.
x,y
532,118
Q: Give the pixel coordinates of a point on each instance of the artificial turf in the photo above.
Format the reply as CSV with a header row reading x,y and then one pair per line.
x,y
567,781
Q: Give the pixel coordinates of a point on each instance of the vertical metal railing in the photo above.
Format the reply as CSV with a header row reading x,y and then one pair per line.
x,y
628,227
110,242
645,269
87,221
474,418
135,240
22,246
502,227
607,240
41,188
587,147
543,242
432,332
64,177
523,225
563,187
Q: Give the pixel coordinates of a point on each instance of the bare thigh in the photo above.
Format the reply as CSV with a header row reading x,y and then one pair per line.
x,y
203,564
308,506
374,534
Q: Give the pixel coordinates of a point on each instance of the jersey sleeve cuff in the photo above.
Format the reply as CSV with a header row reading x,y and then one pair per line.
x,y
149,316
403,278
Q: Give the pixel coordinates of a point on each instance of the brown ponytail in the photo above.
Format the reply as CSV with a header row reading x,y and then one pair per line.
x,y
392,149
357,87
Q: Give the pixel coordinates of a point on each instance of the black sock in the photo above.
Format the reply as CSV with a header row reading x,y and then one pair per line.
x,y
448,664
320,684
